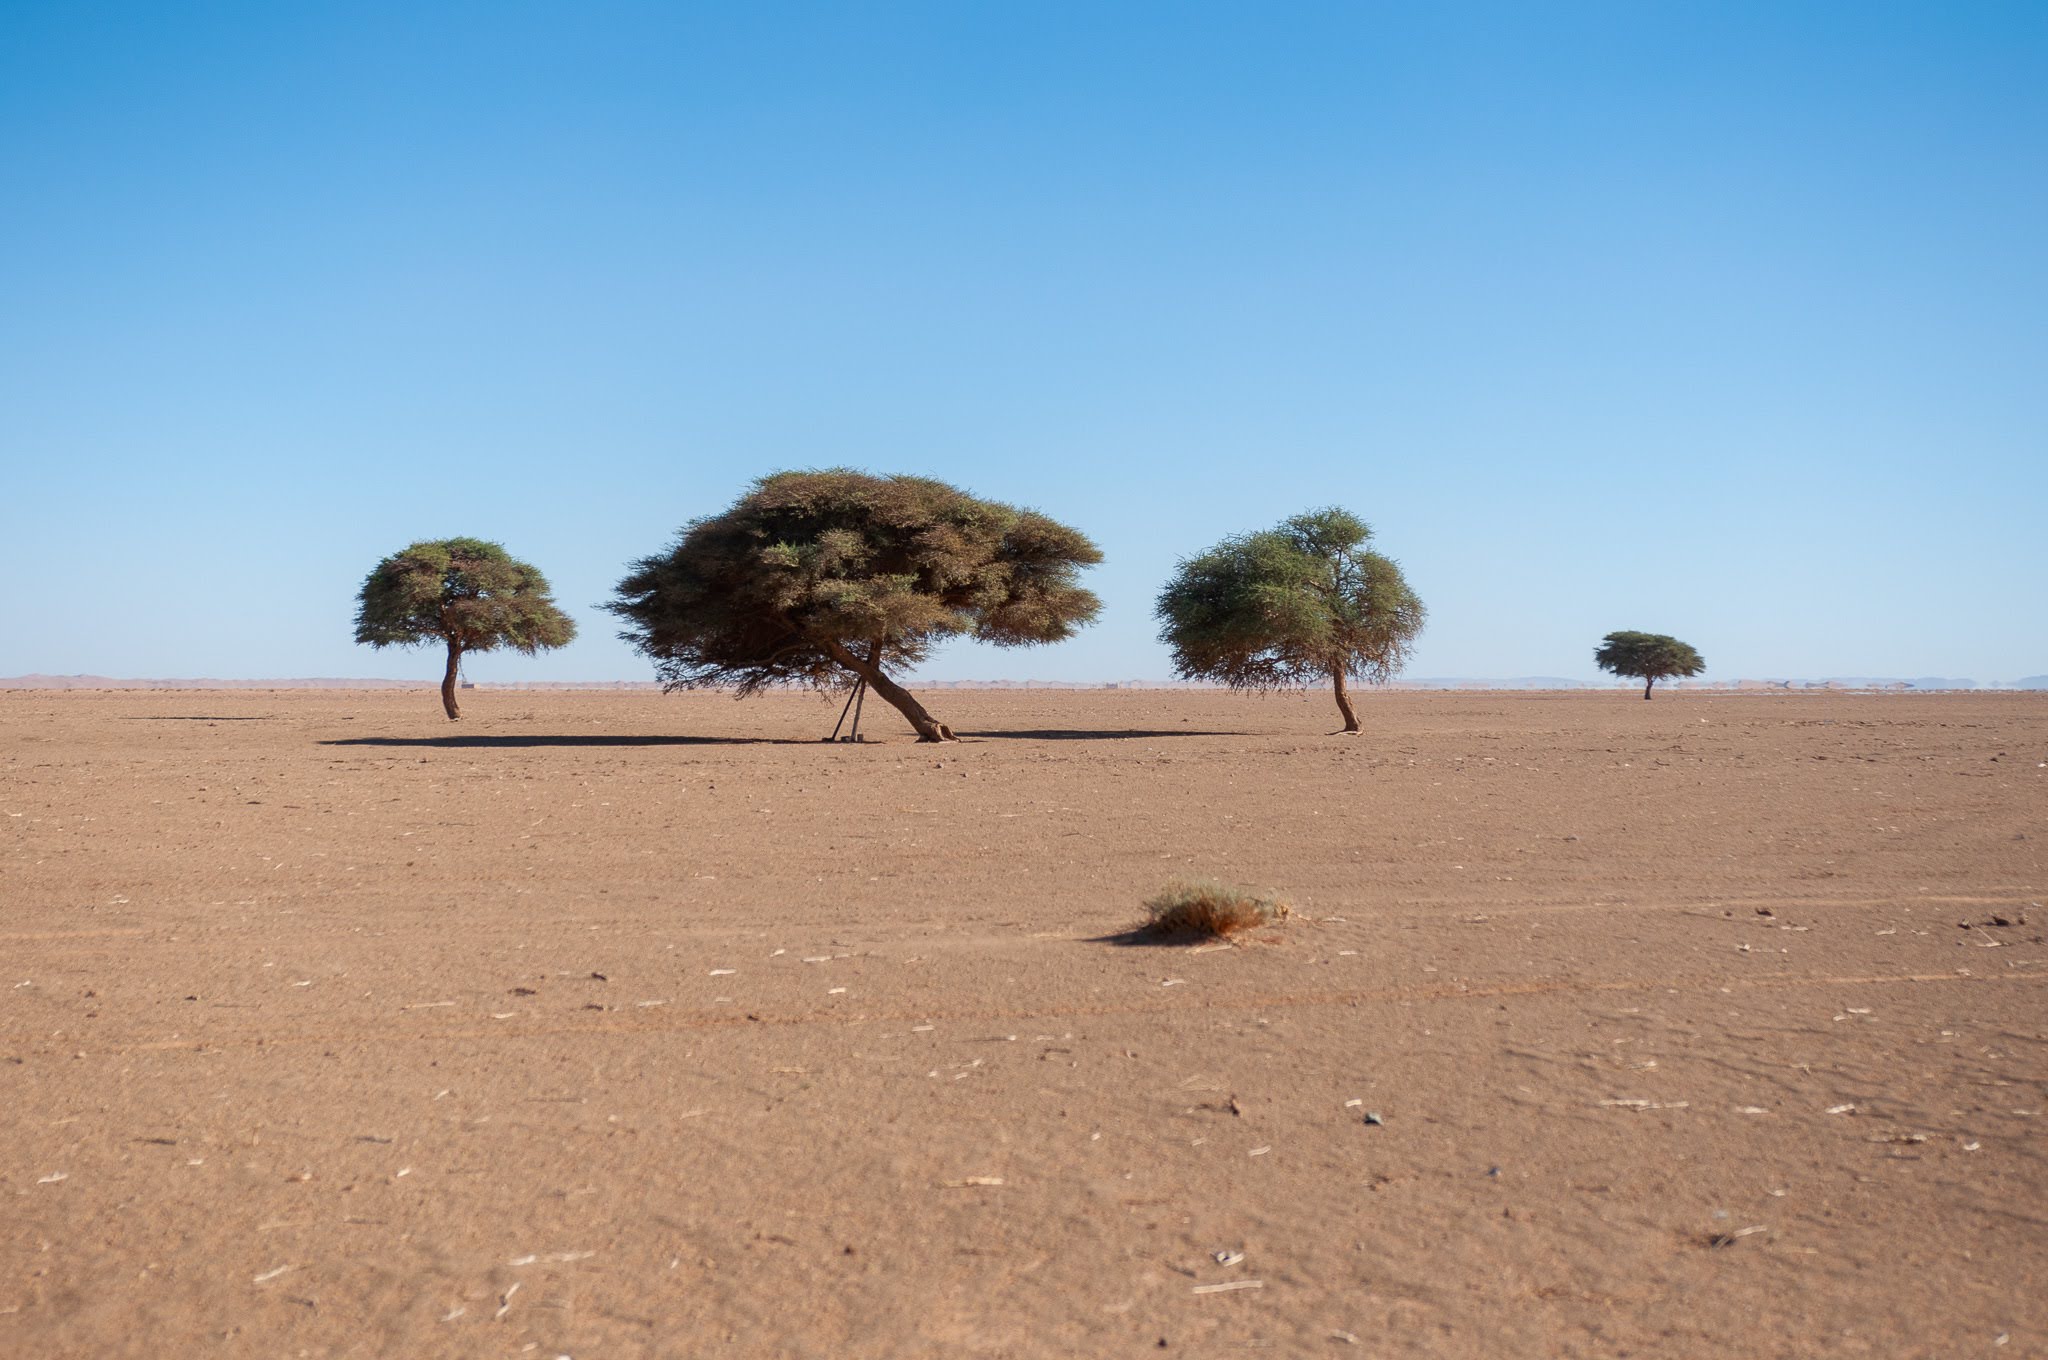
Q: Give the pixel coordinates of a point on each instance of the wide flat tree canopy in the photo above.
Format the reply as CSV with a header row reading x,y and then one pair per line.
x,y
464,591
1647,656
815,578
753,596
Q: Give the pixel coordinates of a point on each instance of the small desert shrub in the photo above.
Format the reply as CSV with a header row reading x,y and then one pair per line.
x,y
1206,909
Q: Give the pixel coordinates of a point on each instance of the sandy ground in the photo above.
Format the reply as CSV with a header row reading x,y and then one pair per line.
x,y
620,1025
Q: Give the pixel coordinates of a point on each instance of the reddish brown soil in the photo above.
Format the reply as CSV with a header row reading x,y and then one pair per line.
x,y
619,1025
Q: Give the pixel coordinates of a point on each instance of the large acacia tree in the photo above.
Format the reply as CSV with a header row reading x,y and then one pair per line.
x,y
1294,605
471,595
829,577
1648,657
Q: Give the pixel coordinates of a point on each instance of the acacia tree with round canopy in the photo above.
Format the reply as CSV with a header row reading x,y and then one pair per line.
x,y
471,595
1648,657
1292,605
825,577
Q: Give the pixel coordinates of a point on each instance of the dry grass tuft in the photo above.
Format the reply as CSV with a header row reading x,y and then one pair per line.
x,y
1203,909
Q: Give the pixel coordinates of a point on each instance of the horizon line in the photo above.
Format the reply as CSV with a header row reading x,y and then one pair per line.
x,y
34,681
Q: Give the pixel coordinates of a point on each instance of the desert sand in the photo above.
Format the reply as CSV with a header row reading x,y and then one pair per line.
x,y
629,1025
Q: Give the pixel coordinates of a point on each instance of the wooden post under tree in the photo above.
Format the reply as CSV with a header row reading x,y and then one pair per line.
x,y
857,700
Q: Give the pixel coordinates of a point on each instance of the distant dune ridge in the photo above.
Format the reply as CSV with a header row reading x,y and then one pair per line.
x,y
1922,684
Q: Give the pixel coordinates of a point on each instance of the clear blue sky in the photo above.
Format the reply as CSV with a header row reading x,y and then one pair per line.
x,y
1728,320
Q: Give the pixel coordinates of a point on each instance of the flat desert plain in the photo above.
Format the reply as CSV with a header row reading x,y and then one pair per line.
x,y
613,1024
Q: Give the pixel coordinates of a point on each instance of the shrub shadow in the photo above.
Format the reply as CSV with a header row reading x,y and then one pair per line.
x,y
1145,937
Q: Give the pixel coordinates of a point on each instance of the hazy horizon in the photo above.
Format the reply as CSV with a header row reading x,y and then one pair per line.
x,y
429,678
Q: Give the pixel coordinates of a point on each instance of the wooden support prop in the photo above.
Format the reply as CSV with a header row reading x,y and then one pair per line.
x,y
858,686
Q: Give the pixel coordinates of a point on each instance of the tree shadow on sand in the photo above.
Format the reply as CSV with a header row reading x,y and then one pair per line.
x,y
1112,734
579,739
515,742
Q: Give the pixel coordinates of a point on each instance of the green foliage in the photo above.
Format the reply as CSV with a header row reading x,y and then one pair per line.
x,y
462,591
1291,605
809,562
1648,657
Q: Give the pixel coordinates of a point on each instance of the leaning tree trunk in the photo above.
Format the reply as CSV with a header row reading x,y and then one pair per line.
x,y
448,680
901,699
1344,699
1648,684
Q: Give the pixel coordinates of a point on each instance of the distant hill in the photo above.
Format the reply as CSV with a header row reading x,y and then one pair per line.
x,y
1516,682
109,682
302,682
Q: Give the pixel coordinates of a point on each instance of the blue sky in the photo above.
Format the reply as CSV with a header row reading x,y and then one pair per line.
x,y
1727,320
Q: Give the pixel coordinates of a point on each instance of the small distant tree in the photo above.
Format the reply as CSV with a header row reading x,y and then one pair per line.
x,y
466,593
1294,605
1648,657
818,578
